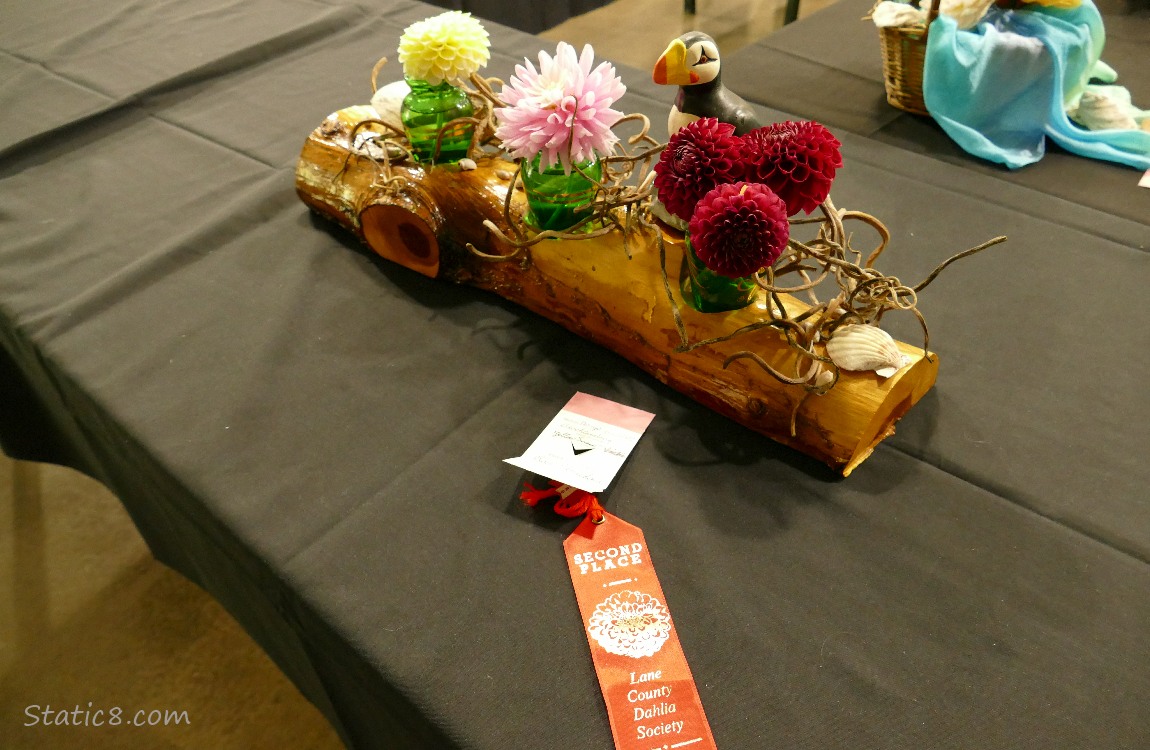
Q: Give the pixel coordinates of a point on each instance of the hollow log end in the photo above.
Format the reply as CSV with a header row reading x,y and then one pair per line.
x,y
401,236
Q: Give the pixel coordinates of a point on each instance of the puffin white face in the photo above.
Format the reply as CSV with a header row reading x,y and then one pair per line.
x,y
703,60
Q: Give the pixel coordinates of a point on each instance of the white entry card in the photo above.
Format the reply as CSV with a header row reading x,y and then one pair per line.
x,y
586,443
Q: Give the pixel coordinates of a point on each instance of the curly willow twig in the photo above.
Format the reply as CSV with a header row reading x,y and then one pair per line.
x,y
623,200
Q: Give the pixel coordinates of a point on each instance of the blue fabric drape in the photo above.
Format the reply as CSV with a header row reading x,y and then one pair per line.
x,y
1002,87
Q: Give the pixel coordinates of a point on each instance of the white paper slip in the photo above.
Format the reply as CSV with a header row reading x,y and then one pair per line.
x,y
586,443
1145,181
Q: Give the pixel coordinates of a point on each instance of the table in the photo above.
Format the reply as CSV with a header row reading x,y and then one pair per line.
x,y
829,68
316,437
525,15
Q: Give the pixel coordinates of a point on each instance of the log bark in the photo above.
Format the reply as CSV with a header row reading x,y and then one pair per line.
x,y
593,288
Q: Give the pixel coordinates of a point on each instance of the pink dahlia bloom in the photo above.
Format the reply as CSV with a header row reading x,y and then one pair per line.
x,y
562,111
698,157
795,159
739,228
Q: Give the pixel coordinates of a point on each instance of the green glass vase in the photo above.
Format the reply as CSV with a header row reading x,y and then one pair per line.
x,y
553,197
426,110
707,291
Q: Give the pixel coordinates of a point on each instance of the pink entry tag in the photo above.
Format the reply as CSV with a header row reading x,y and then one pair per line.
x,y
586,443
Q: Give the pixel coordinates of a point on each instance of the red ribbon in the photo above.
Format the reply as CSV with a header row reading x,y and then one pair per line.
x,y
572,502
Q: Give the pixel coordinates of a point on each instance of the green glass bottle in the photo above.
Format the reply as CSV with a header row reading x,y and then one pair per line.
x,y
426,110
553,197
707,291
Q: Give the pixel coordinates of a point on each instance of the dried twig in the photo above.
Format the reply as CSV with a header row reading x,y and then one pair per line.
x,y
622,201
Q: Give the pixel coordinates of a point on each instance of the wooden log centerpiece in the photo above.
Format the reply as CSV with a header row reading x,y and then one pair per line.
x,y
608,289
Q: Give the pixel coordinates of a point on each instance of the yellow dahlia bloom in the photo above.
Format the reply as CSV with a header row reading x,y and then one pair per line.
x,y
1064,4
447,47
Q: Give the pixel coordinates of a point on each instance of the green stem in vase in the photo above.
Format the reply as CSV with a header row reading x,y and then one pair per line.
x,y
426,111
553,198
707,291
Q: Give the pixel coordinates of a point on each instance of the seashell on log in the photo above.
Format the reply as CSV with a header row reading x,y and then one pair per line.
x,y
388,100
862,347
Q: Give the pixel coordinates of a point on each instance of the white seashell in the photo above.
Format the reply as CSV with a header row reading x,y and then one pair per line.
x,y
666,216
862,347
886,372
466,165
1097,111
388,99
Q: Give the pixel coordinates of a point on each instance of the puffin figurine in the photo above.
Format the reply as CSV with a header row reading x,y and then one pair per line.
x,y
691,62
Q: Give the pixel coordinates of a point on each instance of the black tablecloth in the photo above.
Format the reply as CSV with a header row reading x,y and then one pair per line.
x,y
315,436
829,68
525,15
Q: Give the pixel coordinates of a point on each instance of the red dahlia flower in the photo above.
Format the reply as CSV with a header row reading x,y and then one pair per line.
x,y
739,228
698,157
795,159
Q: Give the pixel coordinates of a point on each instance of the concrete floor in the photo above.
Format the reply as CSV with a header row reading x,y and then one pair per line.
x,y
89,621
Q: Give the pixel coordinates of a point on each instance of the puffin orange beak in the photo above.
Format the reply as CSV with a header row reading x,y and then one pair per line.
x,y
671,68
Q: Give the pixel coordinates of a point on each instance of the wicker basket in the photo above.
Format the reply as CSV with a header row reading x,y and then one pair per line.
x,y
903,53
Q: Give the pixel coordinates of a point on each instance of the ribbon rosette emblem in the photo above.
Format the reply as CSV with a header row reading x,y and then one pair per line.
x,y
630,623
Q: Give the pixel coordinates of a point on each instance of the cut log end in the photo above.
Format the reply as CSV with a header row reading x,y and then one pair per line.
x,y
910,386
401,236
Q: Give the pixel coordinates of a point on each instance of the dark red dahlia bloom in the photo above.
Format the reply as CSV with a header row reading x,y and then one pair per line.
x,y
795,159
739,228
698,157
